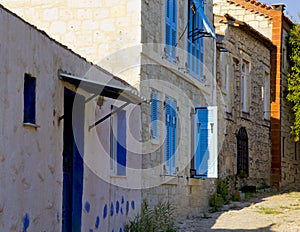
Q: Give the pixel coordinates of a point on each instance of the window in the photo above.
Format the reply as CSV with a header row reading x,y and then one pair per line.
x,y
118,143
195,43
171,137
242,153
154,115
265,94
205,142
228,89
283,147
295,152
171,29
245,92
29,99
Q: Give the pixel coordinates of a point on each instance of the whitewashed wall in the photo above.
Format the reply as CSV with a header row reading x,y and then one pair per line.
x,y
31,175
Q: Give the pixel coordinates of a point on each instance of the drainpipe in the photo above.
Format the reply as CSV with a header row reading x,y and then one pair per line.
x,y
214,100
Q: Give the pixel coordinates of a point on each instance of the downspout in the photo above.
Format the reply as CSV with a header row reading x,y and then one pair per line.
x,y
214,97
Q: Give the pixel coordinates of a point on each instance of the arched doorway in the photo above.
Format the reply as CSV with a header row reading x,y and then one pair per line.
x,y
242,153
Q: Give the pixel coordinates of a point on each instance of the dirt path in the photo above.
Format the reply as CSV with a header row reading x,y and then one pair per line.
x,y
280,212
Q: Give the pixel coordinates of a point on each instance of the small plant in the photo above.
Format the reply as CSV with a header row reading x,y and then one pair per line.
x,y
265,210
158,219
222,189
216,202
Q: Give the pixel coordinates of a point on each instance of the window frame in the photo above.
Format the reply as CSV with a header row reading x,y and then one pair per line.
x,y
117,169
195,49
171,22
170,153
154,115
266,98
29,101
211,125
245,86
242,152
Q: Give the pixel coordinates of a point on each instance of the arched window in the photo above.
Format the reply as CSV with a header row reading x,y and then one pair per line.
x,y
242,153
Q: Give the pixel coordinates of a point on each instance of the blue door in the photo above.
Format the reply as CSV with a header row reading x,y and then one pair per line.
x,y
205,142
72,162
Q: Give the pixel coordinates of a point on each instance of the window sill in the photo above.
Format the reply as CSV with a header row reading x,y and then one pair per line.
x,y
245,115
228,116
29,124
154,141
172,180
199,181
114,176
266,122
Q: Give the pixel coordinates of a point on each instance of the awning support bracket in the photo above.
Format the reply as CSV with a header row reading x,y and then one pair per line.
x,y
91,97
108,115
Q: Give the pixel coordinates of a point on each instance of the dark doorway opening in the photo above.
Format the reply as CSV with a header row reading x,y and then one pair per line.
x,y
73,139
242,153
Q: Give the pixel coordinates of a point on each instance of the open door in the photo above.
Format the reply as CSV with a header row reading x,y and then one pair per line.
x,y
72,161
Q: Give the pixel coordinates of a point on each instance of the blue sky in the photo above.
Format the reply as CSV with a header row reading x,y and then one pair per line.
x,y
292,7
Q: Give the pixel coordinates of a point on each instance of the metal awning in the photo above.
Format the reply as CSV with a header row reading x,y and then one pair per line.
x,y
207,30
127,94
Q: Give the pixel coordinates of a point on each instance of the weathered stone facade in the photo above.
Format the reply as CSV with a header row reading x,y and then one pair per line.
x,y
271,22
243,44
189,195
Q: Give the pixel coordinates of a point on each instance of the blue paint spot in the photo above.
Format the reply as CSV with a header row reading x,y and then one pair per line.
x,y
26,222
57,217
127,207
105,211
122,200
120,230
111,209
97,222
117,207
87,206
121,210
112,231
132,205
91,230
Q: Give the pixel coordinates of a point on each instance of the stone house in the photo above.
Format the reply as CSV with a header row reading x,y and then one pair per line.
x,y
243,76
271,22
167,50
55,162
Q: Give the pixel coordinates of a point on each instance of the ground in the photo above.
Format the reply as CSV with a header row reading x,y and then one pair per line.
x,y
261,212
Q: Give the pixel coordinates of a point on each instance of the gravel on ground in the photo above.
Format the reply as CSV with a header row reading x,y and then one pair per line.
x,y
262,212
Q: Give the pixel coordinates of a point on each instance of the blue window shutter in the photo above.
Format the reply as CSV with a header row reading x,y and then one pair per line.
x,y
171,136
205,151
121,143
29,99
168,144
195,48
171,28
174,137
154,114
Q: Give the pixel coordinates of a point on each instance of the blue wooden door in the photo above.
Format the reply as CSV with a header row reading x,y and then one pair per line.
x,y
205,140
72,162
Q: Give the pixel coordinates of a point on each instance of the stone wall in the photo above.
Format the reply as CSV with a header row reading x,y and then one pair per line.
x,y
270,21
189,195
243,46
98,30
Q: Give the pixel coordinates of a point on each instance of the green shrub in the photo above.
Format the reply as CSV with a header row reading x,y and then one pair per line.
x,y
216,202
158,219
222,189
